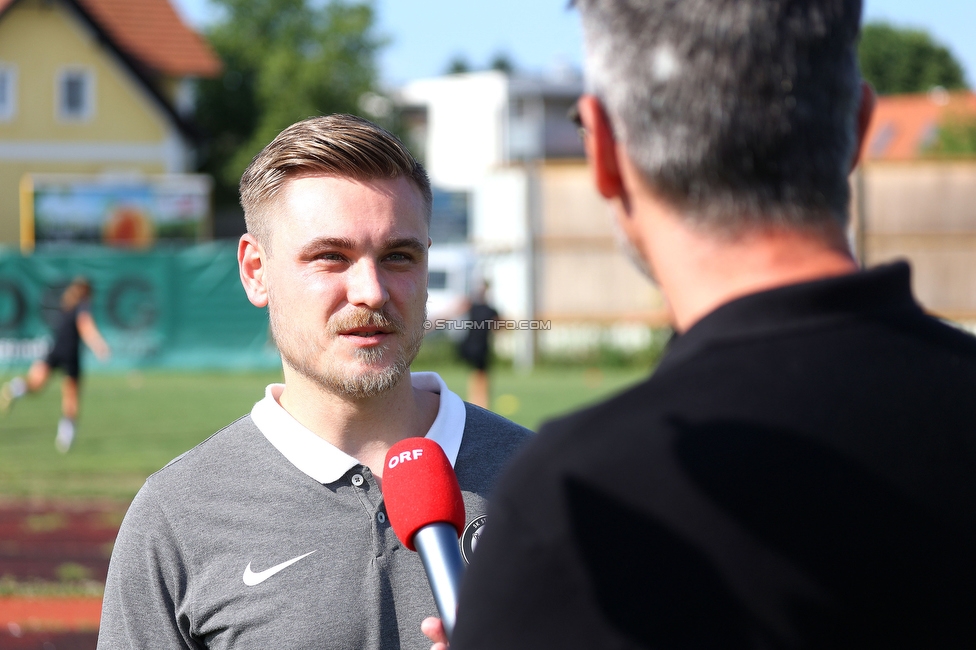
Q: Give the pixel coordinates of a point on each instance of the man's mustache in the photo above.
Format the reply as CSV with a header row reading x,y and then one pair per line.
x,y
367,318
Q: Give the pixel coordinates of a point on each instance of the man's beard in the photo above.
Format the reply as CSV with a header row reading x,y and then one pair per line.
x,y
303,355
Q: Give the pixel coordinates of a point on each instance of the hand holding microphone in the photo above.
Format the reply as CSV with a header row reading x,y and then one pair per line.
x,y
426,511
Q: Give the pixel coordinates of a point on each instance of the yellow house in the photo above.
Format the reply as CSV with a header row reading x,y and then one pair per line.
x,y
94,86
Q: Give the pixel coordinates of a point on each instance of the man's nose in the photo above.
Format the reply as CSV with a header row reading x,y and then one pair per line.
x,y
365,285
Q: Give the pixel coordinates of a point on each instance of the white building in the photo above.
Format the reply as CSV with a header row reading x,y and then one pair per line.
x,y
485,134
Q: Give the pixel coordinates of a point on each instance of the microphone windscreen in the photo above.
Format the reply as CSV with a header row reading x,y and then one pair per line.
x,y
420,488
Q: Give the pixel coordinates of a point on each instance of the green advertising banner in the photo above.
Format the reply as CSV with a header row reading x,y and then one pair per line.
x,y
178,308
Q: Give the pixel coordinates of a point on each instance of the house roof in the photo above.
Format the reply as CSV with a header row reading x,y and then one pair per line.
x,y
151,33
904,126
150,39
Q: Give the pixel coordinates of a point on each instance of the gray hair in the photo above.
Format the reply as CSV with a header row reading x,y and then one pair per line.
x,y
741,113
340,145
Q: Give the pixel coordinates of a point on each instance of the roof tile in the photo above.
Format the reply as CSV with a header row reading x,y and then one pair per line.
x,y
904,125
152,33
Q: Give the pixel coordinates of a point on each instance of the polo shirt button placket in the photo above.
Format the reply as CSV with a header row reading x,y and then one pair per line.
x,y
358,480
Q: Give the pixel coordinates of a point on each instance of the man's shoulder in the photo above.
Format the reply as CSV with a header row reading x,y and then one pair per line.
x,y
478,420
219,474
487,432
905,350
582,438
224,449
214,465
489,443
639,405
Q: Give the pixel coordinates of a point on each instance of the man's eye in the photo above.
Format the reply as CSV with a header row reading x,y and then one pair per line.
x,y
398,257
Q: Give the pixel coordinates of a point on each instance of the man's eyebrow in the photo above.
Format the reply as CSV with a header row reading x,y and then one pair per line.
x,y
319,243
342,243
410,243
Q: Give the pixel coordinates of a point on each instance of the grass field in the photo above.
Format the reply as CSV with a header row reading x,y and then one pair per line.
x,y
133,424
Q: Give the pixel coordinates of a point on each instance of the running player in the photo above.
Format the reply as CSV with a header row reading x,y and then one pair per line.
x,y
75,325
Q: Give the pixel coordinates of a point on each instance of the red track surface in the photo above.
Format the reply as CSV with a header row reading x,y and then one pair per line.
x,y
39,540
49,641
50,614
54,542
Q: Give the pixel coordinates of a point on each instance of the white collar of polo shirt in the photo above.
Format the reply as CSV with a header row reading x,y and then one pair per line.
x,y
326,463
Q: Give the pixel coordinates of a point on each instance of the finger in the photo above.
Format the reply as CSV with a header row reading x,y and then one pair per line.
x,y
433,629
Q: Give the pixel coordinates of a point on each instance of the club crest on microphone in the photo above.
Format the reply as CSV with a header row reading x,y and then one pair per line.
x,y
470,536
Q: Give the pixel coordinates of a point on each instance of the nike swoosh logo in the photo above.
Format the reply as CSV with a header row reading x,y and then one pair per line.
x,y
251,578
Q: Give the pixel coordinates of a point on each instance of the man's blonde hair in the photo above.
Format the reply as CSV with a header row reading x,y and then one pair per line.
x,y
340,145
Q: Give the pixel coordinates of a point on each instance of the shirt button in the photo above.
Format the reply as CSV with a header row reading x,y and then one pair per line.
x,y
357,479
381,517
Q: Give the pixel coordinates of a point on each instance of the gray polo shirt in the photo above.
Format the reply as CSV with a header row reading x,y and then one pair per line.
x,y
265,536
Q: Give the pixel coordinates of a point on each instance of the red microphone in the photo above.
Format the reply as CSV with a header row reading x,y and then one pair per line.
x,y
423,501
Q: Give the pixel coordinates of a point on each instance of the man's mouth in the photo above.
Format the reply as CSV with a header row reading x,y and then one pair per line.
x,y
370,327
366,332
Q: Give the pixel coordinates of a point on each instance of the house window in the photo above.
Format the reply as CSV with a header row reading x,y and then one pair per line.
x,y
76,94
437,280
8,92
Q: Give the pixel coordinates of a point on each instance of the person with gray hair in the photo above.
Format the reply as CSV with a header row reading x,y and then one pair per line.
x,y
797,472
273,532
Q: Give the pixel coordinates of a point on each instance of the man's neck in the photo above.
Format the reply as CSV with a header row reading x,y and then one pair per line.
x,y
699,271
720,272
363,428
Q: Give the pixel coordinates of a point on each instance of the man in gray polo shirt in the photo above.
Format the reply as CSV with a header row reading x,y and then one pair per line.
x,y
272,533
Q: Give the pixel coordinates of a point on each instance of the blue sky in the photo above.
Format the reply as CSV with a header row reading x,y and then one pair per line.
x,y
542,34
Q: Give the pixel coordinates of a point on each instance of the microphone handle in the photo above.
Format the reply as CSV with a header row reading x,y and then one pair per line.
x,y
437,545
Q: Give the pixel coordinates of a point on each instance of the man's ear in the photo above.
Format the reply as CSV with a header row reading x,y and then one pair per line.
x,y
864,112
251,260
601,148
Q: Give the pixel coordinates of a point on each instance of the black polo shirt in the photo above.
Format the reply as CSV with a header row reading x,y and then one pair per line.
x,y
799,472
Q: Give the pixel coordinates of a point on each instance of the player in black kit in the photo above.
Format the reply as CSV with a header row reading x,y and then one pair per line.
x,y
75,325
475,348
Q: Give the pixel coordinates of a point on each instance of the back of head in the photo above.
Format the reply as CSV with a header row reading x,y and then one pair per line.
x,y
337,145
741,113
76,292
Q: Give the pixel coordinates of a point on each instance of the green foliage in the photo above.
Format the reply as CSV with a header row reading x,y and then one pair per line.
x,y
285,60
956,138
898,60
458,65
502,62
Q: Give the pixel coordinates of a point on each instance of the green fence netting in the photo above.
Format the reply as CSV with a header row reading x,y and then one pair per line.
x,y
166,308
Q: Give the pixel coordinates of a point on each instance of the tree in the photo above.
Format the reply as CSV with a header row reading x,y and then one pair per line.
x,y
956,137
897,60
458,65
285,60
502,63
